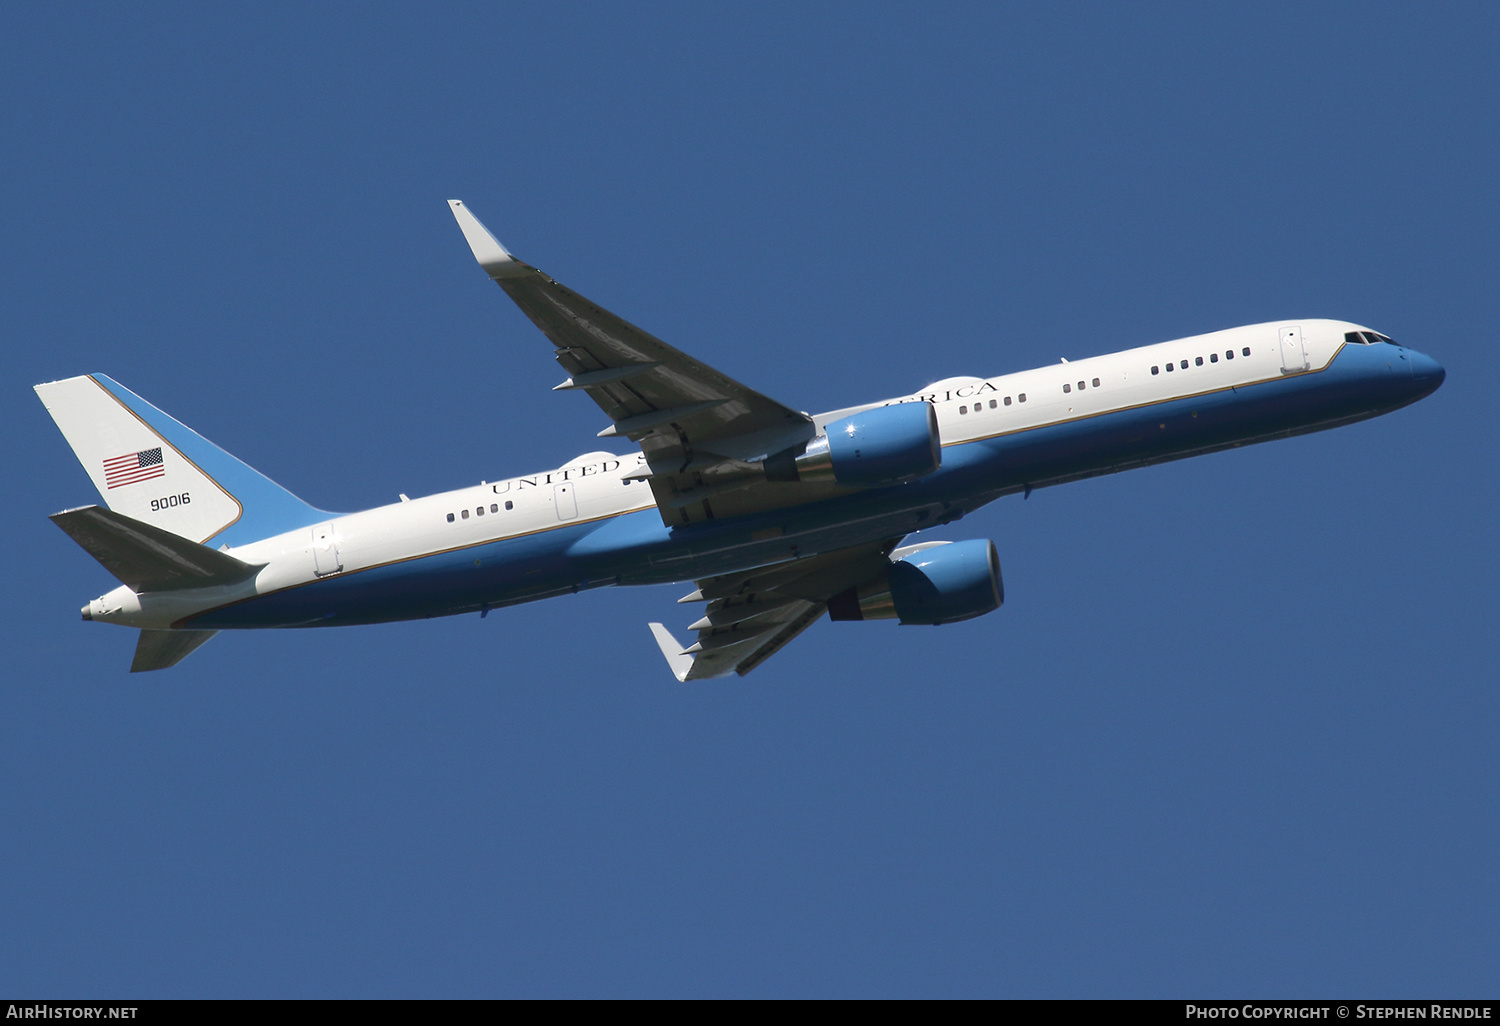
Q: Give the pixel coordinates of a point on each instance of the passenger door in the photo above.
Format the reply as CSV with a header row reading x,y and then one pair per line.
x,y
325,550
566,501
1293,353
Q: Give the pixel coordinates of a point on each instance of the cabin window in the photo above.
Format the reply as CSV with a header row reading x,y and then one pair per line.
x,y
450,518
1007,400
993,404
1021,398
963,409
509,504
1213,357
1155,370
1171,367
1067,387
1096,382
464,513
1245,351
1229,354
479,511
1198,361
494,507
1184,365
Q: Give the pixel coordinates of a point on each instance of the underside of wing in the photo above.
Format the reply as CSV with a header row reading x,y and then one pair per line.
x,y
753,614
702,432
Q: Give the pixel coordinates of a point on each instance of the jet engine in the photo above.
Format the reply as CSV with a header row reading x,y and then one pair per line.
x,y
884,445
941,583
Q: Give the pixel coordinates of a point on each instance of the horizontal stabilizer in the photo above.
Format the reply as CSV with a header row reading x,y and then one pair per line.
x,y
147,558
157,650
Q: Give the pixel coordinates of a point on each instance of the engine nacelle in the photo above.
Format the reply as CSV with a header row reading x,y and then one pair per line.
x,y
884,445
941,584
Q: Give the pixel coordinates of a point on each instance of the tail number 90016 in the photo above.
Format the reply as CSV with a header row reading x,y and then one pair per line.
x,y
157,505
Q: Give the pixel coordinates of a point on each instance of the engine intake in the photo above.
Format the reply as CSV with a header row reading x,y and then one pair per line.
x,y
884,445
941,584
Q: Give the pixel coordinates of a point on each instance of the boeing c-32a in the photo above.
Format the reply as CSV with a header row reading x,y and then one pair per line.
x,y
777,515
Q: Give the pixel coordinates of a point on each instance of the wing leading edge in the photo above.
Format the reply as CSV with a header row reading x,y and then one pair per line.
x,y
702,432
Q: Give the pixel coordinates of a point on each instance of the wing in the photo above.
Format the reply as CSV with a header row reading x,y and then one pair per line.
x,y
702,432
752,615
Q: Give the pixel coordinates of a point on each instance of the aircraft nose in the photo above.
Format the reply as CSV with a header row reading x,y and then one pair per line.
x,y
1426,372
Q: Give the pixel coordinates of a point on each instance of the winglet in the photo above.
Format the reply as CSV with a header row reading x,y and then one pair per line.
x,y
678,660
493,257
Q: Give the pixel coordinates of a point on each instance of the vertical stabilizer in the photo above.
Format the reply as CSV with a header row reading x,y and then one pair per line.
x,y
154,469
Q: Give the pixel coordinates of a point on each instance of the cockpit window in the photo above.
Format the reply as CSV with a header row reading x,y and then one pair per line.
x,y
1366,338
1375,336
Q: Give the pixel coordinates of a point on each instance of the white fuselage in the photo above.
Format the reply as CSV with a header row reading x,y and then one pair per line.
x,y
599,486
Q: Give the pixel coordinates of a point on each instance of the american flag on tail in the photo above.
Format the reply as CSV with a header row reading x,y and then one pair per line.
x,y
133,467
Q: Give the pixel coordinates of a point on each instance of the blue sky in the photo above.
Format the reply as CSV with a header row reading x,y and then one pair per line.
x,y
1232,733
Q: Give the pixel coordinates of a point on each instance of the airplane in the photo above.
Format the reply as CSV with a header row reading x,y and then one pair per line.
x,y
777,516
